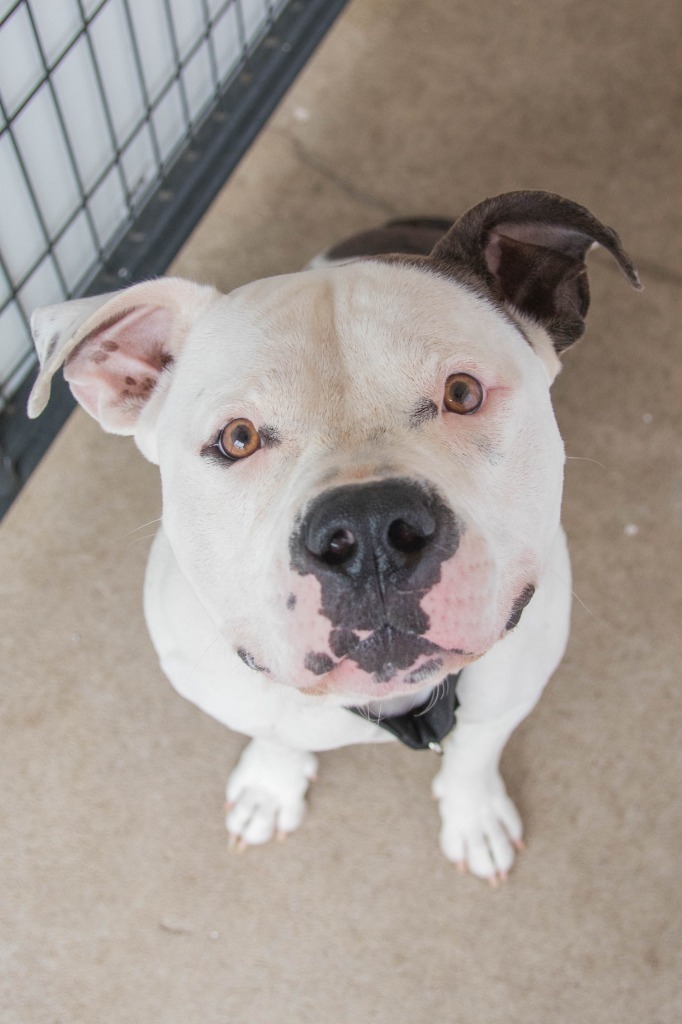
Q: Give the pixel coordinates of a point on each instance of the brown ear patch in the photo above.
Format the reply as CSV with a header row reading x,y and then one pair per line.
x,y
524,250
103,340
549,286
528,250
115,368
100,332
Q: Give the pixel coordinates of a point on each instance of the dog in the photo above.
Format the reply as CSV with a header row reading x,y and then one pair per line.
x,y
362,480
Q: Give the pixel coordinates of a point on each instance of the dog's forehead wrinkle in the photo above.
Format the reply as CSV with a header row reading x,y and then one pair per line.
x,y
341,314
296,352
350,357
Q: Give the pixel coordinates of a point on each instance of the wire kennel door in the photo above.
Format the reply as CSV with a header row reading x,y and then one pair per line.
x,y
119,122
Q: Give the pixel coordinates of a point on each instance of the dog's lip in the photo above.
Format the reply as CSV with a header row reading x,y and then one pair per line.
x,y
364,638
350,662
338,682
356,641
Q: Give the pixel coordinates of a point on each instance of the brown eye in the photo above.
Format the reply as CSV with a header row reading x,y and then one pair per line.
x,y
238,439
463,394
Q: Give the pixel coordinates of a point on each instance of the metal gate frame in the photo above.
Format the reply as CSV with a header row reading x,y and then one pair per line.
x,y
180,200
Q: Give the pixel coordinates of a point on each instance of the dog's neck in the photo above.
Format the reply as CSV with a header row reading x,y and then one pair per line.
x,y
390,706
420,726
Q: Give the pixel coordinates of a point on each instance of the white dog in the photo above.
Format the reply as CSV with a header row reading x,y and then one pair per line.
x,y
362,481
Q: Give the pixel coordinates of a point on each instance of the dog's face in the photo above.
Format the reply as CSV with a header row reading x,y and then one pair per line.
x,y
404,481
360,464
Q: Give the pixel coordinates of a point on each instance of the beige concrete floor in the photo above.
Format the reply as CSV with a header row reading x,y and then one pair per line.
x,y
120,901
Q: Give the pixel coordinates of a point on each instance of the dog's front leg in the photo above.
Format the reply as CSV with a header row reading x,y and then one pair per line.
x,y
481,828
265,793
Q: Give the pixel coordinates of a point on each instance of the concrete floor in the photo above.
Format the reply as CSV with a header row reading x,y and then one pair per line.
x,y
120,900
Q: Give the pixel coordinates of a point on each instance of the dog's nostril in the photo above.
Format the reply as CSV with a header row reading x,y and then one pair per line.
x,y
340,548
406,538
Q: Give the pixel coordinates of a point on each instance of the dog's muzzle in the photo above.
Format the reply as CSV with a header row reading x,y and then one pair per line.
x,y
376,549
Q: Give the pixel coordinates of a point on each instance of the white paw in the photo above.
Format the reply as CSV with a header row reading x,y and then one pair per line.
x,y
265,793
481,829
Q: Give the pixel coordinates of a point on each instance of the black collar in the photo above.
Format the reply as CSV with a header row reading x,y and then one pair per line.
x,y
426,725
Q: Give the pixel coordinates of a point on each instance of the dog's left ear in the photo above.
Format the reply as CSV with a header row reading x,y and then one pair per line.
x,y
529,249
115,347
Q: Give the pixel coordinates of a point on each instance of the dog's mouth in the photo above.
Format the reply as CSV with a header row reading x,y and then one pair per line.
x,y
382,654
381,662
342,660
372,662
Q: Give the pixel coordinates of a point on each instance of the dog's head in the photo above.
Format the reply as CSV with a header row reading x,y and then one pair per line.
x,y
361,468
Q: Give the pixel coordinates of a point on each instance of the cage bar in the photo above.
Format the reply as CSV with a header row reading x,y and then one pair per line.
x,y
170,136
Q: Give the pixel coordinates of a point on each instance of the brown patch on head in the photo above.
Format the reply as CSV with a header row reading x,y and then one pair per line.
x,y
416,235
459,273
110,346
528,248
521,251
99,357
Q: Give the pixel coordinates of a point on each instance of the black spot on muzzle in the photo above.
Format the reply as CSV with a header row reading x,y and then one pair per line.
x,y
377,549
250,661
519,604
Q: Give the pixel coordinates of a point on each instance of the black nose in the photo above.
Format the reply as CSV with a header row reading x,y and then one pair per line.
x,y
384,526
388,530
376,549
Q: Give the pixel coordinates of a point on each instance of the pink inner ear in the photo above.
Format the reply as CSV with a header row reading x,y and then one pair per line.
x,y
115,368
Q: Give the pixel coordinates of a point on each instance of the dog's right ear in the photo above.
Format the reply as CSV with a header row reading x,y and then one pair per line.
x,y
115,347
528,250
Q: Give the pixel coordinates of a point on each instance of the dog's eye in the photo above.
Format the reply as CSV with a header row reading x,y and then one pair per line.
x,y
238,439
463,394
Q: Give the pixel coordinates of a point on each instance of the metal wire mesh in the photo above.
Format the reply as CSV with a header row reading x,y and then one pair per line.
x,y
119,122
96,100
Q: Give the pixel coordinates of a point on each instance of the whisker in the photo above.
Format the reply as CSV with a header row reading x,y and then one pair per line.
x,y
584,458
150,523
597,618
437,694
433,699
148,536
214,641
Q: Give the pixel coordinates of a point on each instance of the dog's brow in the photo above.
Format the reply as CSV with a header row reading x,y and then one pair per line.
x,y
270,436
423,411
